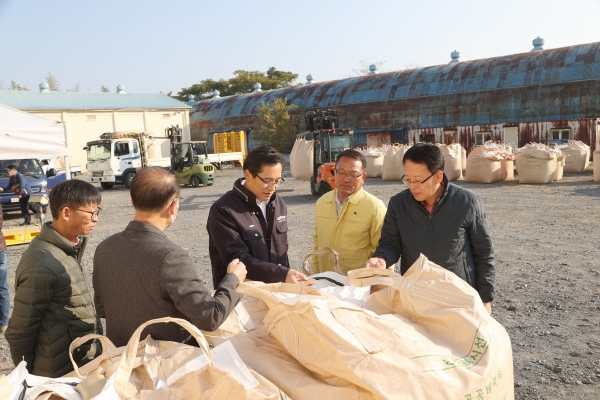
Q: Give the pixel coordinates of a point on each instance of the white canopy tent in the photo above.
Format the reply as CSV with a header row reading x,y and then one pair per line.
x,y
23,135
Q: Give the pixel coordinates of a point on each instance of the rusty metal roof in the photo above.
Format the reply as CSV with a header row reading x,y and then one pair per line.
x,y
552,84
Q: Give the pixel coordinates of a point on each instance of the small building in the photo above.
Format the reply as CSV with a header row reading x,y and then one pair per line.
x,y
541,95
88,115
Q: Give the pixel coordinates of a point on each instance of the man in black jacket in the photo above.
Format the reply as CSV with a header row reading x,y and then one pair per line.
x,y
250,223
139,274
439,219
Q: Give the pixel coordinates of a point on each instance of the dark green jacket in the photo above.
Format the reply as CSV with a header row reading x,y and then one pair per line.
x,y
53,306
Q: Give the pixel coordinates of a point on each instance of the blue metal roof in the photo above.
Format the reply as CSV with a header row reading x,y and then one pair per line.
x,y
25,100
554,84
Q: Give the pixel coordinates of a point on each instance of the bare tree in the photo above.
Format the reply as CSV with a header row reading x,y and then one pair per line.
x,y
53,84
104,89
411,66
75,88
364,67
1,85
17,87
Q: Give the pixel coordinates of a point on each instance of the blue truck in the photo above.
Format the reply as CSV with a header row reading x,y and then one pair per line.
x,y
41,182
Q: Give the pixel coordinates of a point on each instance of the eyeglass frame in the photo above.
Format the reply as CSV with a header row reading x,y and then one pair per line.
x,y
173,202
410,183
274,183
95,213
345,175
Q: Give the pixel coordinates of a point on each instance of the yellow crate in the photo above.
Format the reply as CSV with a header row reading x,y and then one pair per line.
x,y
20,234
230,142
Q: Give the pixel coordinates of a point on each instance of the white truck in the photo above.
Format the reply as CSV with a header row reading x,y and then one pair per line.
x,y
115,158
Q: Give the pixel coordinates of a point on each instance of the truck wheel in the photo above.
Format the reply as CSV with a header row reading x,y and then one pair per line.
x,y
106,185
195,181
127,179
324,188
312,186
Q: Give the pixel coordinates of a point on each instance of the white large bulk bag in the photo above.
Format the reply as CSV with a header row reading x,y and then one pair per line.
x,y
507,170
536,170
597,165
301,159
374,158
560,163
577,155
483,170
393,169
452,161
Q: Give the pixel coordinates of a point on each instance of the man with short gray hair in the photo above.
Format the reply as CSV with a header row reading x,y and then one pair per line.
x,y
139,274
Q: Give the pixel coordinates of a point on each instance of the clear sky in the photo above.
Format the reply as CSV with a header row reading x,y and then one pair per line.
x,y
152,46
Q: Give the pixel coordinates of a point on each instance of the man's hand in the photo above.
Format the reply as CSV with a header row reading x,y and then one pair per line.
x,y
375,262
237,268
294,276
1,190
488,307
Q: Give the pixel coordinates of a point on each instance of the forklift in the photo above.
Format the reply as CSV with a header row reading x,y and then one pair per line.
x,y
189,167
329,141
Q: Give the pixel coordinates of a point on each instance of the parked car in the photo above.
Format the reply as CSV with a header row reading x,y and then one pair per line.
x,y
58,163
39,181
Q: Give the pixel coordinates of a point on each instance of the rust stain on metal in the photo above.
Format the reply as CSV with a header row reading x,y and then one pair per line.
x,y
535,92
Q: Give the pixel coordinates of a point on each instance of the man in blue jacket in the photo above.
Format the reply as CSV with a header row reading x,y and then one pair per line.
x,y
439,219
20,186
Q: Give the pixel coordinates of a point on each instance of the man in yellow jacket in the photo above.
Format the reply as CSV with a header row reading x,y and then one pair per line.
x,y
347,219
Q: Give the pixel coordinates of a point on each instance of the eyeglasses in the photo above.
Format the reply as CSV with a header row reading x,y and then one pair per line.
x,y
93,214
276,183
173,202
344,175
416,183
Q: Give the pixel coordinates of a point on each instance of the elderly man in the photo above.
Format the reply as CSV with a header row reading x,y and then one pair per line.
x,y
18,183
250,223
53,301
439,219
139,274
347,219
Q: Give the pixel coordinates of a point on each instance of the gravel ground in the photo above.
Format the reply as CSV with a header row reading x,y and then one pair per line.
x,y
546,239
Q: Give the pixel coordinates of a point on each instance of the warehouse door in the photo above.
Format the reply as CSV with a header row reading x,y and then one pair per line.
x,y
511,136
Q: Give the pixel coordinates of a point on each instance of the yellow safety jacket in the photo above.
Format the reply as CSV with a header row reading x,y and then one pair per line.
x,y
354,235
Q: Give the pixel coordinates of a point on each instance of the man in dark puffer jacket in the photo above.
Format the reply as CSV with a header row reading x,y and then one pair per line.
x,y
53,300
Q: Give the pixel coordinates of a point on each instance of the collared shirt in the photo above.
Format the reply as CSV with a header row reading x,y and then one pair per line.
x,y
430,207
262,204
339,204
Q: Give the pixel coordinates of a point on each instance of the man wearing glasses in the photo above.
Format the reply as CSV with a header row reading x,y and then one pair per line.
x,y
53,301
443,221
250,223
347,219
139,274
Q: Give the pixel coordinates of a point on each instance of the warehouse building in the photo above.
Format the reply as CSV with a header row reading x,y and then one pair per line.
x,y
541,95
88,115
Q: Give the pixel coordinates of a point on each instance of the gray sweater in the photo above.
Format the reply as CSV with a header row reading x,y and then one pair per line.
x,y
139,275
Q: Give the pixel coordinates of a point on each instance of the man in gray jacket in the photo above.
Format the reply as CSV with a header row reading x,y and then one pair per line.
x,y
439,219
139,274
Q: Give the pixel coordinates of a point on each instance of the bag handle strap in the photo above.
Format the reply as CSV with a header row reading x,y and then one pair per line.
x,y
126,364
323,250
107,346
264,291
372,276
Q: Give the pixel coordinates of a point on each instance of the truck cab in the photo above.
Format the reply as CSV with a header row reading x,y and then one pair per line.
x,y
41,182
113,161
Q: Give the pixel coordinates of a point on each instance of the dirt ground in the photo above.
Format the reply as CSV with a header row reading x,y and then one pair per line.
x,y
546,240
